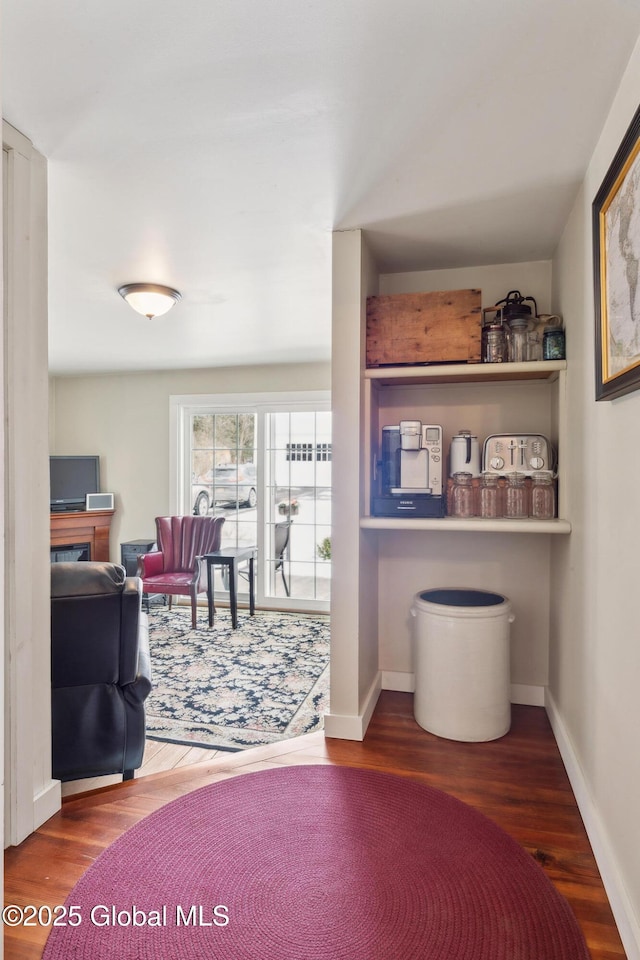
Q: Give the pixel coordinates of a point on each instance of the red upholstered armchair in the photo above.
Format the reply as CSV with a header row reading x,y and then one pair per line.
x,y
175,567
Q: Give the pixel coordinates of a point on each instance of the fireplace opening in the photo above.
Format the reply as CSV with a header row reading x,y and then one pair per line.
x,y
71,552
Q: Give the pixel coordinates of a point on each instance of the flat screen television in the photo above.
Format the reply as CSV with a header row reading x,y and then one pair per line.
x,y
71,479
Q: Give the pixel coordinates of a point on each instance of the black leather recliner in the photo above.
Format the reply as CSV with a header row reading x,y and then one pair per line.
x,y
100,670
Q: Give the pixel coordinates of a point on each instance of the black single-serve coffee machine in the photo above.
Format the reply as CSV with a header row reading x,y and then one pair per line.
x,y
408,481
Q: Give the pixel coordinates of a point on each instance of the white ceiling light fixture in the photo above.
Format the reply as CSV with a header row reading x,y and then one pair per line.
x,y
149,299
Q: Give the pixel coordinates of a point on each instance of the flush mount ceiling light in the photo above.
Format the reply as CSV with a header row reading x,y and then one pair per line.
x,y
149,299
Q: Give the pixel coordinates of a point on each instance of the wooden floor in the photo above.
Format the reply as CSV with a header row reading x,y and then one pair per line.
x,y
159,757
518,781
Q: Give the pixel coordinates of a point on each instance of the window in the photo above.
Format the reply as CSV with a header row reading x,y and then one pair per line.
x,y
306,451
264,463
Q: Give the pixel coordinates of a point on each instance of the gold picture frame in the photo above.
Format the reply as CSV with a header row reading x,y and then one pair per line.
x,y
616,267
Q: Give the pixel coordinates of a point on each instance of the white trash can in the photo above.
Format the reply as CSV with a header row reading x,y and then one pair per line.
x,y
462,663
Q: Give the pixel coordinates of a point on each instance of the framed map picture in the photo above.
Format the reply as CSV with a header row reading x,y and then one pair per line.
x,y
616,249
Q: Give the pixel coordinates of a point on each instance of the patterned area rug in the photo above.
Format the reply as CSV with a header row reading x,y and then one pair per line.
x,y
232,689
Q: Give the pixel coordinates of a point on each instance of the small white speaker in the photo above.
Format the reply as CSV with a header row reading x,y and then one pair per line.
x,y
99,501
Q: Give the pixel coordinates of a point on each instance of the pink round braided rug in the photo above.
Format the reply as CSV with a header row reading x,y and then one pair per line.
x,y
316,863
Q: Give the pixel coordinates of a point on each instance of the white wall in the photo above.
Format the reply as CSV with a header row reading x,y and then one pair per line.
x,y
515,565
125,419
369,658
532,279
355,682
595,648
31,794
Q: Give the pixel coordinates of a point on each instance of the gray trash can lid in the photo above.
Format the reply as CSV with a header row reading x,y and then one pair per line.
x,y
462,598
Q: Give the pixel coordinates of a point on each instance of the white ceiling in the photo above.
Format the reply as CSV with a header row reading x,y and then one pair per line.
x,y
213,145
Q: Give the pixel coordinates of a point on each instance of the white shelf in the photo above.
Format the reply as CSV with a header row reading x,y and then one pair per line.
x,y
472,525
466,372
544,371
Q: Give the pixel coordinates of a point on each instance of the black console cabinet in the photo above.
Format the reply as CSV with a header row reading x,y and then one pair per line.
x,y
130,551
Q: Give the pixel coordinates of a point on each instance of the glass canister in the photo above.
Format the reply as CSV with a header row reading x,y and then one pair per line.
x,y
494,343
543,496
515,497
553,344
489,496
534,345
463,505
517,339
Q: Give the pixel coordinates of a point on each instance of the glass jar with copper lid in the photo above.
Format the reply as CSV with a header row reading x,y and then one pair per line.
x,y
463,495
515,497
489,496
543,496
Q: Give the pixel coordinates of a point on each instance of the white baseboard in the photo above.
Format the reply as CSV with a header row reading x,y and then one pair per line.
x,y
527,694
402,682
370,701
345,727
623,912
46,802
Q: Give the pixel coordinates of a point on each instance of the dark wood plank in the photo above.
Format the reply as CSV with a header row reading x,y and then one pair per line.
x,y
519,782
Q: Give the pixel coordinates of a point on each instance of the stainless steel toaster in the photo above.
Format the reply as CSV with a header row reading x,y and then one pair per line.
x,y
505,453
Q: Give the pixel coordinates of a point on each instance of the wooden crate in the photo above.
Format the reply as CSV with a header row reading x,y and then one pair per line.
x,y
410,328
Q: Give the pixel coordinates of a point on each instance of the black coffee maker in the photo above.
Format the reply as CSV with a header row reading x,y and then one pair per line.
x,y
409,474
